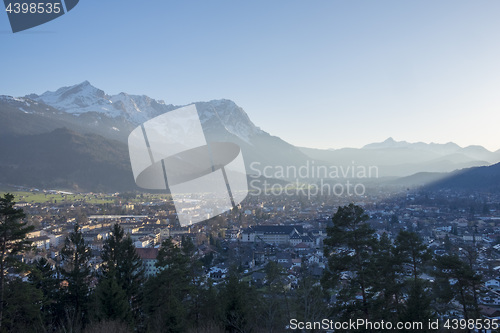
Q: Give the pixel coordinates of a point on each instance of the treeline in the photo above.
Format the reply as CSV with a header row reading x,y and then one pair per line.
x,y
365,277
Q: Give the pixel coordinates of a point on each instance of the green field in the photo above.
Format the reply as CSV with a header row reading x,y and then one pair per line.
x,y
91,198
56,198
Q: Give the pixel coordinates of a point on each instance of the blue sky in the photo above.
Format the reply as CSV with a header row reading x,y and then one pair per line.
x,y
315,73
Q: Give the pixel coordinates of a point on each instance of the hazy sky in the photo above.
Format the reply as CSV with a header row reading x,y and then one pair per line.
x,y
315,73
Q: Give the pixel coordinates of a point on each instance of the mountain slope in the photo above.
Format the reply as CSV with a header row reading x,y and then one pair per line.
x,y
481,179
65,159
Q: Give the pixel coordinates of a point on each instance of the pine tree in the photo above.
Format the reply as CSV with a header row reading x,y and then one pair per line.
x,y
22,307
122,263
412,253
76,272
12,240
349,247
111,301
418,307
239,302
389,288
206,312
470,257
465,280
275,305
310,300
166,294
43,277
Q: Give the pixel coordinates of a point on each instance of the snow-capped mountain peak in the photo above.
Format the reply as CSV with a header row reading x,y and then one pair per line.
x,y
84,97
138,108
217,116
78,99
225,113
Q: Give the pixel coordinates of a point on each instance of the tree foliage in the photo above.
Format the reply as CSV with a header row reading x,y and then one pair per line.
x,y
76,274
123,266
12,240
349,248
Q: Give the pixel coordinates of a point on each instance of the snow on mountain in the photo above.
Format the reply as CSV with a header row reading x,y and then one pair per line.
x,y
78,99
137,109
225,113
82,98
12,100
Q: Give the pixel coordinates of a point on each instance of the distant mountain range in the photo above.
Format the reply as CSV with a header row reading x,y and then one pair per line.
x,y
400,158
75,137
